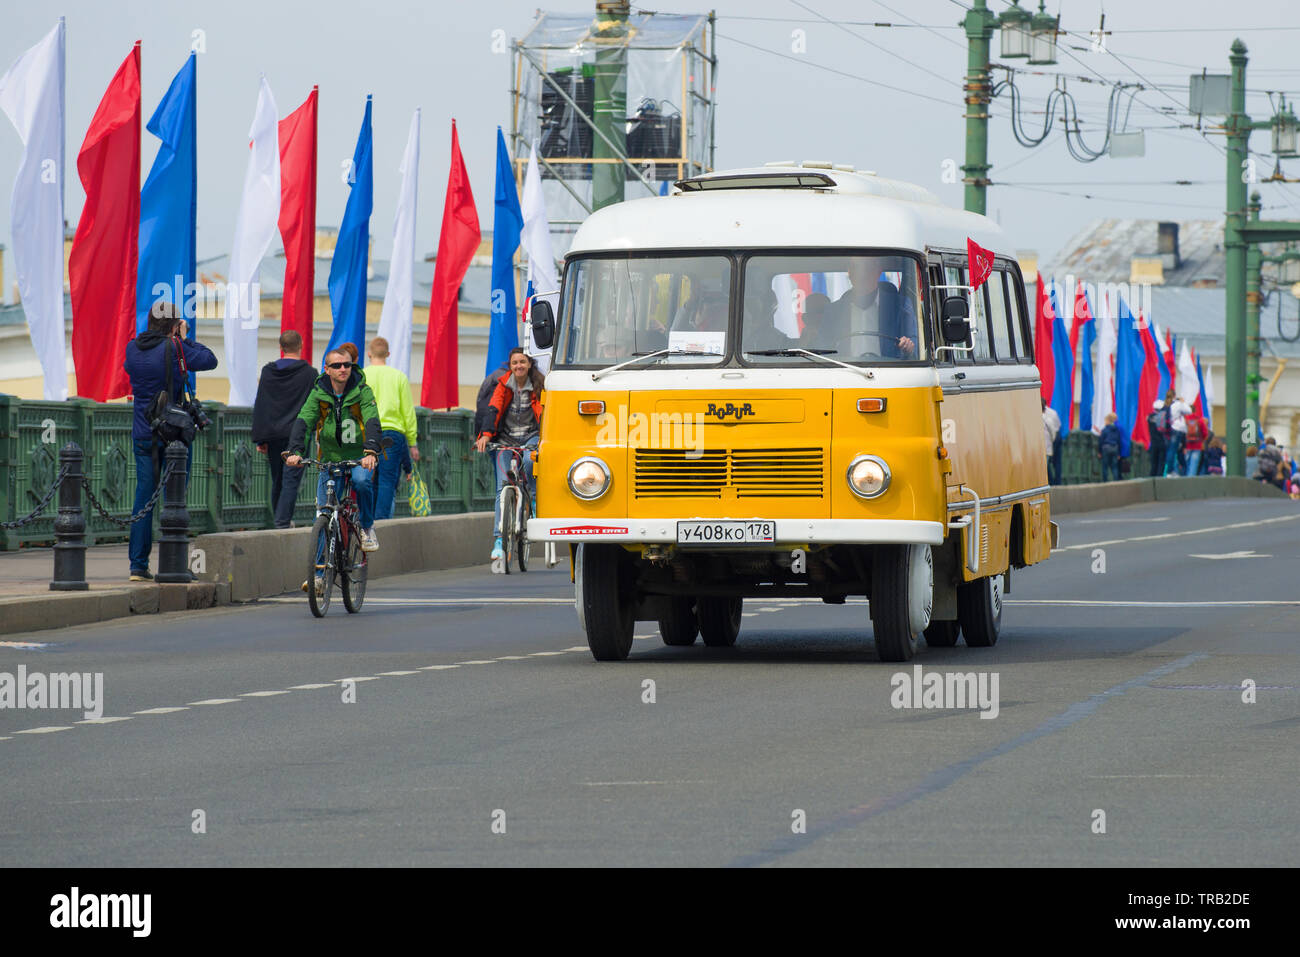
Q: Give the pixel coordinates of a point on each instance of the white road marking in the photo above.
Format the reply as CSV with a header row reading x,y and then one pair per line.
x,y
578,648
1249,554
478,661
159,710
749,614
60,727
439,667
512,657
24,645
216,701
770,609
1125,521
539,654
1191,531
261,694
397,674
366,678
617,784
102,720
493,600
312,687
1143,604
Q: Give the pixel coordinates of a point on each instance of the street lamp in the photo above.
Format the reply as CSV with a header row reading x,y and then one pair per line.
x,y
1016,36
1286,132
1043,28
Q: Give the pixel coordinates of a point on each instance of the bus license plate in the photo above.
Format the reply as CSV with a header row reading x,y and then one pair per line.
x,y
725,533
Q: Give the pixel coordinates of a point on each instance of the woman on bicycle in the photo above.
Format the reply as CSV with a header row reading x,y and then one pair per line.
x,y
514,418
342,411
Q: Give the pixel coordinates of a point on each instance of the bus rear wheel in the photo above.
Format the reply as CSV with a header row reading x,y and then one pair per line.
x,y
719,620
942,634
902,594
604,607
979,609
678,626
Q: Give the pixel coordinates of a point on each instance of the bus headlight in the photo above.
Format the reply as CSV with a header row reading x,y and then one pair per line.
x,y
868,476
588,478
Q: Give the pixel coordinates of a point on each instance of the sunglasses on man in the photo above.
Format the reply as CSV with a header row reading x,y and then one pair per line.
x,y
339,365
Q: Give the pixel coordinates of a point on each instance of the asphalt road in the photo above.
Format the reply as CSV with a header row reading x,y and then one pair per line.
x,y
477,703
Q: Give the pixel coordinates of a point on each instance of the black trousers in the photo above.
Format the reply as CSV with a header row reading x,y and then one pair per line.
x,y
284,482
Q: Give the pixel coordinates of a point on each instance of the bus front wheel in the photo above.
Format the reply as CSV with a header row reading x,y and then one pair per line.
x,y
979,609
604,607
902,594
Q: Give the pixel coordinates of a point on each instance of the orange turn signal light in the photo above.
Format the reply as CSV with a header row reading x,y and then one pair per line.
x,y
591,407
943,453
871,405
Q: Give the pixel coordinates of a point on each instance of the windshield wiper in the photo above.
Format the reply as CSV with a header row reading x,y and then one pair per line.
x,y
791,352
639,356
821,354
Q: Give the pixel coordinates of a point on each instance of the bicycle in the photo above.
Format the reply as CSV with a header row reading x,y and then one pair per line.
x,y
516,503
336,544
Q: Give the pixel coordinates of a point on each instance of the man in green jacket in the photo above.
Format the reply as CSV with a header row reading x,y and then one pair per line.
x,y
342,411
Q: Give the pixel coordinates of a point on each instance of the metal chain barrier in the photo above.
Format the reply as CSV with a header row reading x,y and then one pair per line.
x,y
35,513
127,522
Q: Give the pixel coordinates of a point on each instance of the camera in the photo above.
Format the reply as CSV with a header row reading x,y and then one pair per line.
x,y
195,408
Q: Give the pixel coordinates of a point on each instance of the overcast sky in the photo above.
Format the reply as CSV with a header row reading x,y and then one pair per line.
x,y
783,101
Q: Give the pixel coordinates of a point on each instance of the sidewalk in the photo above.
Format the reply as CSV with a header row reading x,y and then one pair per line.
x,y
27,604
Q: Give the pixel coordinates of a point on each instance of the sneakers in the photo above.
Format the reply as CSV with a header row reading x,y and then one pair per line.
x,y
497,550
320,585
141,575
369,540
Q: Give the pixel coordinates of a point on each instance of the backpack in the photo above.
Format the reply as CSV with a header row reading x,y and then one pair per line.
x,y
1109,440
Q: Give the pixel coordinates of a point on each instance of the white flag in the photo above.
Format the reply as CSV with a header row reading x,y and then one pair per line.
x,y
31,93
536,242
1188,387
255,227
399,295
1103,395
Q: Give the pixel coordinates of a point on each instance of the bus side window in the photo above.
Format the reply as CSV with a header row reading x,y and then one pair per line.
x,y
956,276
979,314
935,278
1019,317
998,318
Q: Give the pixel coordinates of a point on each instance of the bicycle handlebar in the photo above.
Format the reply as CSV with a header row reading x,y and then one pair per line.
x,y
343,464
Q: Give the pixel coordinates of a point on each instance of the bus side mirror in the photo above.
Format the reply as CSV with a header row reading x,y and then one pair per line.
x,y
543,321
956,320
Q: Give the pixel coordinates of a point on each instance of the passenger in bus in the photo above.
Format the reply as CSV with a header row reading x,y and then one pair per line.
x,y
875,310
706,312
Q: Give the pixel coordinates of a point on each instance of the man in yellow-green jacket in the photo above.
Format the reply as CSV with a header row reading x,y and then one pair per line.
x,y
397,419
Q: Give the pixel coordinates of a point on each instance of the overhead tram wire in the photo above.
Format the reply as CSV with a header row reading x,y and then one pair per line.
x,y
875,45
899,13
829,69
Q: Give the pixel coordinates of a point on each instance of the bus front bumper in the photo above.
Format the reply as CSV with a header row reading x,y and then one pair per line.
x,y
792,531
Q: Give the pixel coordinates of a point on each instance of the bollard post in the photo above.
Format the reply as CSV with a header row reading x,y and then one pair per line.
x,y
70,525
174,523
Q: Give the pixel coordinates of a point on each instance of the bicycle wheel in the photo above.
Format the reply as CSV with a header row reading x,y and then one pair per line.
x,y
321,567
521,536
508,524
353,572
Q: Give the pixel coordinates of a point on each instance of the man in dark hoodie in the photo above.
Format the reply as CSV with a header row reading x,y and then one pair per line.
x,y
281,392
147,358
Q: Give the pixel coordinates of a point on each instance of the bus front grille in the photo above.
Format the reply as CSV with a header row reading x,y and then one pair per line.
x,y
751,473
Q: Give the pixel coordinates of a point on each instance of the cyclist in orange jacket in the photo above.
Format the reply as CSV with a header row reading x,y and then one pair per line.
x,y
514,418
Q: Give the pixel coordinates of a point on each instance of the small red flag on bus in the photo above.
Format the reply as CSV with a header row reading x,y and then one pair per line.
x,y
981,262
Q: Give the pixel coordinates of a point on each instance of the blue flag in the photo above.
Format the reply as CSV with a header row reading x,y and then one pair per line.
x,y
1129,360
507,224
1200,382
352,251
1086,388
1063,357
168,204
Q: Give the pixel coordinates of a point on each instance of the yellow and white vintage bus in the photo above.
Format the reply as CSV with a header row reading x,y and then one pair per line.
x,y
776,382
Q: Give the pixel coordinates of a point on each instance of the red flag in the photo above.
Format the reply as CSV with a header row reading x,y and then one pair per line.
x,y
981,262
456,245
105,253
298,219
1149,383
1043,319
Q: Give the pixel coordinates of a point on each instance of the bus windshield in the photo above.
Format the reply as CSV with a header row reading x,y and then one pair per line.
x,y
616,309
854,308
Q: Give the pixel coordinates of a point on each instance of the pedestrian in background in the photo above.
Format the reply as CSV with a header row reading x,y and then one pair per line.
x,y
1195,431
150,356
1214,456
1108,448
1268,464
1051,431
1175,462
281,391
397,420
1158,427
